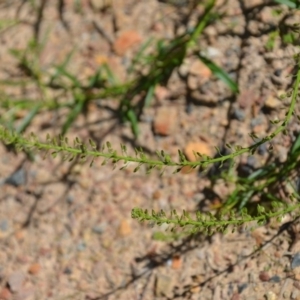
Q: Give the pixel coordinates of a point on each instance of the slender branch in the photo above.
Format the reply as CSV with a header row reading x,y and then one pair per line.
x,y
164,160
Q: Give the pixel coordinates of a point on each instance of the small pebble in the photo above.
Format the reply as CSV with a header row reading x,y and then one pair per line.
x,y
15,281
238,114
4,225
262,149
264,276
67,271
294,294
270,295
244,170
124,228
233,75
296,261
272,102
256,121
251,161
5,294
70,199
242,287
17,178
100,228
189,108
278,72
275,279
286,295
296,284
163,285
34,269
211,52
81,246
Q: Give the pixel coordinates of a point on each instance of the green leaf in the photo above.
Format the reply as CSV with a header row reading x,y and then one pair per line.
x,y
289,3
149,95
296,145
60,68
27,120
110,76
134,122
73,114
220,73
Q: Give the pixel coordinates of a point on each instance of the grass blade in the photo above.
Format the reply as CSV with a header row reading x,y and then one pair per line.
x,y
220,73
289,3
131,116
27,120
149,95
73,115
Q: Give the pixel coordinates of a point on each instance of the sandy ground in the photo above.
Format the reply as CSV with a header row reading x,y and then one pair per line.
x,y
65,228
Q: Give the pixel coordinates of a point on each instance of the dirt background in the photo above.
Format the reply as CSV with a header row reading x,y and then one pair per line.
x,y
65,228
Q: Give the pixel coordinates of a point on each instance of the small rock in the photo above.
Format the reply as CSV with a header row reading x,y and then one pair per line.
x,y
294,295
296,272
199,73
242,287
201,147
270,295
34,269
101,59
176,262
192,82
124,228
184,68
156,195
275,279
17,178
246,98
296,284
209,98
161,93
198,68
81,246
282,153
296,261
98,269
5,294
70,199
24,294
125,41
15,281
235,296
238,114
67,271
211,52
163,285
4,225
195,289
278,72
217,293
100,228
19,235
100,4
272,103
286,295
258,235
256,121
264,276
189,108
267,15
262,149
165,121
